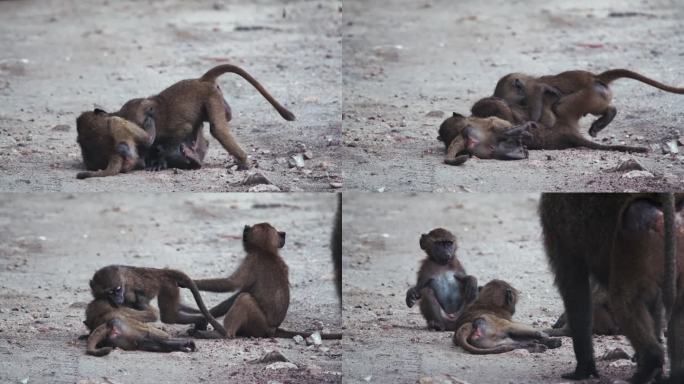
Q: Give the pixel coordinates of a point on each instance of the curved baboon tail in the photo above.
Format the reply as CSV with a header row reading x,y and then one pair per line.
x,y
670,238
217,71
113,168
97,336
283,333
579,141
184,281
458,160
608,76
461,340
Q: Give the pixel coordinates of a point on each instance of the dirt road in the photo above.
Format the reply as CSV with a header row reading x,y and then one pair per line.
x,y
407,65
59,58
51,245
499,237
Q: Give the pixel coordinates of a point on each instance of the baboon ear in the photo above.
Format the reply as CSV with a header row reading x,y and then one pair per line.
x,y
457,115
281,236
509,296
423,241
99,111
246,230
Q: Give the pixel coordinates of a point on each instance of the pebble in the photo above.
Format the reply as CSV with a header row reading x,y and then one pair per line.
x,y
281,365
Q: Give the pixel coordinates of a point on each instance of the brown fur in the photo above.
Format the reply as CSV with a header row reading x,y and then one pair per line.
x,y
443,287
182,109
135,287
263,289
486,325
603,321
483,137
122,327
633,246
336,246
110,144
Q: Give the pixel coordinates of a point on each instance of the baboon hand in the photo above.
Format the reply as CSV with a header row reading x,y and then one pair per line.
x,y
412,295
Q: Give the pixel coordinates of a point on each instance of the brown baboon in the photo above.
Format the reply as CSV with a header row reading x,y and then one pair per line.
x,y
122,327
263,290
485,327
443,288
135,287
187,155
563,133
633,246
486,138
182,109
578,92
110,144
603,321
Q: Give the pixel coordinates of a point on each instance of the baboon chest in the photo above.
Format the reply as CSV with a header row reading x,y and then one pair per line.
x,y
447,291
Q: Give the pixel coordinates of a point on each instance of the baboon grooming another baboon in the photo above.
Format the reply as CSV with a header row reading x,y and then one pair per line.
x,y
485,326
579,93
485,138
443,288
135,287
633,246
111,144
182,109
122,327
263,290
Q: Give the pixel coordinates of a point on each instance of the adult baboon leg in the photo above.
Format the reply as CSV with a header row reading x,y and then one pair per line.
x,y
675,341
219,129
452,156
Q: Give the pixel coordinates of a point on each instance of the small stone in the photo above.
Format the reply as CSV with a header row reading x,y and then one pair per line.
x,y
520,353
281,365
615,354
296,161
270,357
636,174
307,155
335,185
621,363
61,128
264,188
255,179
314,339
669,147
629,165
298,339
435,114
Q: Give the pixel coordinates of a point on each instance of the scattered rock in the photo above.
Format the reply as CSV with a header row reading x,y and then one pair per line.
x,y
264,188
442,379
636,174
615,354
628,165
255,179
61,128
296,161
307,155
270,357
314,339
298,339
335,185
669,146
281,365
520,353
435,114
621,363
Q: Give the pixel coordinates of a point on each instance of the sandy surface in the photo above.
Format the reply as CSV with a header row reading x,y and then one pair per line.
x,y
499,237
59,58
50,245
406,59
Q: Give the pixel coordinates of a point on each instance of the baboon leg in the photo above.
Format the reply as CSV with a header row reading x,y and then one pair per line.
x,y
675,341
595,100
219,129
246,317
431,309
123,130
162,344
169,308
218,311
524,331
113,168
188,309
602,121
454,154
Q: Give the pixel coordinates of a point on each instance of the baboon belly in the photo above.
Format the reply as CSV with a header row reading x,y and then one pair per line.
x,y
447,291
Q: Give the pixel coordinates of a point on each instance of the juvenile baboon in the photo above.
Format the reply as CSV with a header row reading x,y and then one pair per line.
x,y
486,138
135,287
555,131
578,92
486,325
122,327
187,155
263,290
603,321
443,288
182,109
110,144
633,246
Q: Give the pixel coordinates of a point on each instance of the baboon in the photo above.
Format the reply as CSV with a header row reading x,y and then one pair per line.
x,y
122,327
111,144
603,321
182,109
633,246
336,246
135,287
486,138
485,327
187,155
562,134
578,93
443,288
263,290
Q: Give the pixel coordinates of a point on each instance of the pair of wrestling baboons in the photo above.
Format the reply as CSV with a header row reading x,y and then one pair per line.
x,y
528,112
631,246
120,310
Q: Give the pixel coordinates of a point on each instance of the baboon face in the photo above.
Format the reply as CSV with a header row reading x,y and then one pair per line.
x,y
439,244
512,88
500,294
108,284
509,145
262,236
451,128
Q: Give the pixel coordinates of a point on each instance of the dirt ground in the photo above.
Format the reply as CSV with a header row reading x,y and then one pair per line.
x,y
404,59
499,237
59,58
50,245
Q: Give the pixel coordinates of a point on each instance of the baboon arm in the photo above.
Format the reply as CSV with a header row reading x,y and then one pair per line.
x,y
148,315
218,285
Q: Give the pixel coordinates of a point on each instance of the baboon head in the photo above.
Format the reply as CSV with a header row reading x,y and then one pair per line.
x,y
262,237
136,110
107,283
499,294
439,244
512,88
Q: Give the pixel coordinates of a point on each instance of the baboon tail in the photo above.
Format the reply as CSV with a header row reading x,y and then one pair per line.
x,y
608,76
283,333
461,340
670,238
113,168
184,281
578,141
97,336
217,71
